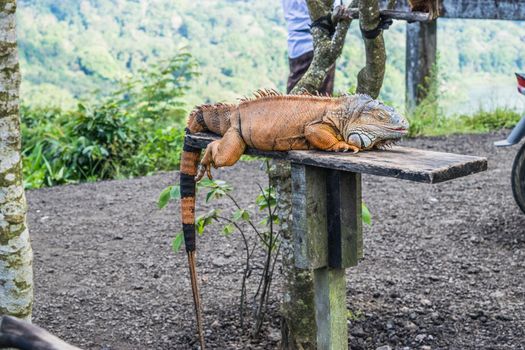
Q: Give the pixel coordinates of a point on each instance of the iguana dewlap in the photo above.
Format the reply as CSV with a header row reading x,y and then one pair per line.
x,y
274,122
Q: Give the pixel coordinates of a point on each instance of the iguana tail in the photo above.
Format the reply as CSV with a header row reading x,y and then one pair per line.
x,y
188,169
214,118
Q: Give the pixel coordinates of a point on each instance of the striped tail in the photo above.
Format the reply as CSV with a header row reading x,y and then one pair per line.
x,y
214,118
188,169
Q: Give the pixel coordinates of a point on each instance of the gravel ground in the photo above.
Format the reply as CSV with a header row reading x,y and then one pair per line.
x,y
444,264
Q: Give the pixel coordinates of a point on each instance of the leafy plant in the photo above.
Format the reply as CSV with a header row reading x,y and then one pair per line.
x,y
243,221
429,118
134,131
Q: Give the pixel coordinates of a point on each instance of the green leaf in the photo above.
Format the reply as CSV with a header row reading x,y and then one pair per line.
x,y
228,229
366,216
206,183
199,225
206,219
241,214
175,192
261,202
164,197
214,193
177,242
209,195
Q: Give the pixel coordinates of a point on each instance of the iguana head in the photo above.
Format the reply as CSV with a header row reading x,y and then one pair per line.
x,y
370,123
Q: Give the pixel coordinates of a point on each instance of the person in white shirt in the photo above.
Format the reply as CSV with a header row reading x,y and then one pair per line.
x,y
300,45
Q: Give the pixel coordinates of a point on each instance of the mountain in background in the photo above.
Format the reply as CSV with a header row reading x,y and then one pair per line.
x,y
71,49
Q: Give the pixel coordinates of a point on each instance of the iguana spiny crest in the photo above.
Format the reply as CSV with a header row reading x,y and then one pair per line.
x,y
274,122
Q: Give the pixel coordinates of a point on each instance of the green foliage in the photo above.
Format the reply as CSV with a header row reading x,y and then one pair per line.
x,y
484,121
479,122
73,47
429,118
366,216
241,220
177,242
136,130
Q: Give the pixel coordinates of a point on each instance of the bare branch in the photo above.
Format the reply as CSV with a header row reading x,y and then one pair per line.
x,y
396,14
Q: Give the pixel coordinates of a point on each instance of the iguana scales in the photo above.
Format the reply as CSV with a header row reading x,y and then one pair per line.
x,y
274,122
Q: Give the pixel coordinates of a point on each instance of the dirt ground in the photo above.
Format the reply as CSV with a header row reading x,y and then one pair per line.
x,y
444,264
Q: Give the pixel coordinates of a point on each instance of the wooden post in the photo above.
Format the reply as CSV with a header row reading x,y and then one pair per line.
x,y
327,229
330,308
421,48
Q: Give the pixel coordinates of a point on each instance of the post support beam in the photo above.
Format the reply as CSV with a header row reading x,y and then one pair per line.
x,y
327,230
421,52
330,308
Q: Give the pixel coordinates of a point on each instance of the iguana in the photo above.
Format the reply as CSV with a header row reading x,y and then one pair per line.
x,y
274,122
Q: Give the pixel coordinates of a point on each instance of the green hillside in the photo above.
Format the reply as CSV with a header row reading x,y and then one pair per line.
x,y
70,49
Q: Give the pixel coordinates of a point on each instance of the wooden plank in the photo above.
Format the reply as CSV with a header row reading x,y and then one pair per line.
x,y
15,333
397,15
309,220
475,9
398,162
352,218
330,309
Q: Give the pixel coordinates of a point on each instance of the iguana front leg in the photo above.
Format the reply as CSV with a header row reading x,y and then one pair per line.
x,y
223,152
324,137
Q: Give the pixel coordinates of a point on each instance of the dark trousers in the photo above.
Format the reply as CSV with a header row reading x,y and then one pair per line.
x,y
299,66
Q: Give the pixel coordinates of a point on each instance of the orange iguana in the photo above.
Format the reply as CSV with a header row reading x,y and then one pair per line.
x,y
274,122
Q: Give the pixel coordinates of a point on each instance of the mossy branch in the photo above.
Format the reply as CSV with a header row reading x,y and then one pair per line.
x,y
370,78
327,48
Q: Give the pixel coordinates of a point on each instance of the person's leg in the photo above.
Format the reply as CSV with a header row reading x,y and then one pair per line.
x,y
299,66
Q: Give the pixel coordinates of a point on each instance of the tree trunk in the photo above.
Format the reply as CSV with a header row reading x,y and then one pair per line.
x,y
298,327
370,78
16,257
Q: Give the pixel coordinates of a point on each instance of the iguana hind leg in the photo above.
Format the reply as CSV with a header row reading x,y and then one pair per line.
x,y
223,152
323,136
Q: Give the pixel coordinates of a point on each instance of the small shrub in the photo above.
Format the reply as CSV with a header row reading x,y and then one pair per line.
x,y
136,130
428,119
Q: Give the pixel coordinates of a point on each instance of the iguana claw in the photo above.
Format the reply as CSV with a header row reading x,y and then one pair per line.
x,y
203,169
200,172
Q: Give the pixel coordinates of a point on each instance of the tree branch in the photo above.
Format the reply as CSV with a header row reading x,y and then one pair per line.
x,y
326,48
370,78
